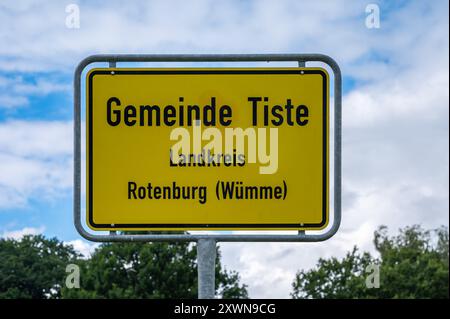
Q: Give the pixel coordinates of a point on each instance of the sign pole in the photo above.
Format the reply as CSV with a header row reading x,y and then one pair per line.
x,y
206,262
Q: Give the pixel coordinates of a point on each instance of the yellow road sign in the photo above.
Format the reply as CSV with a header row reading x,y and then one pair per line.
x,y
207,148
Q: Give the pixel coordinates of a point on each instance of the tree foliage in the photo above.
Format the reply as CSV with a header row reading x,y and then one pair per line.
x,y
149,270
412,264
35,267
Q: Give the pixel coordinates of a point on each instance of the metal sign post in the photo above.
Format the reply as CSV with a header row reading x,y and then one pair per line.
x,y
206,263
206,243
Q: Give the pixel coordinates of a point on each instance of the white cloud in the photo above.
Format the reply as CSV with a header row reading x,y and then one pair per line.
x,y
83,247
41,139
10,101
400,97
41,87
332,27
15,91
18,234
36,161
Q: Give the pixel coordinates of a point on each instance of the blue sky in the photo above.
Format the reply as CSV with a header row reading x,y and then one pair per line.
x,y
395,118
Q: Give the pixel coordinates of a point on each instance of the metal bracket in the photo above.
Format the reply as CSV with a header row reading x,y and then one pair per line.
x,y
300,58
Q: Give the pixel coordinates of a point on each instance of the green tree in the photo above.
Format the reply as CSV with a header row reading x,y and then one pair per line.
x,y
148,270
33,267
412,264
